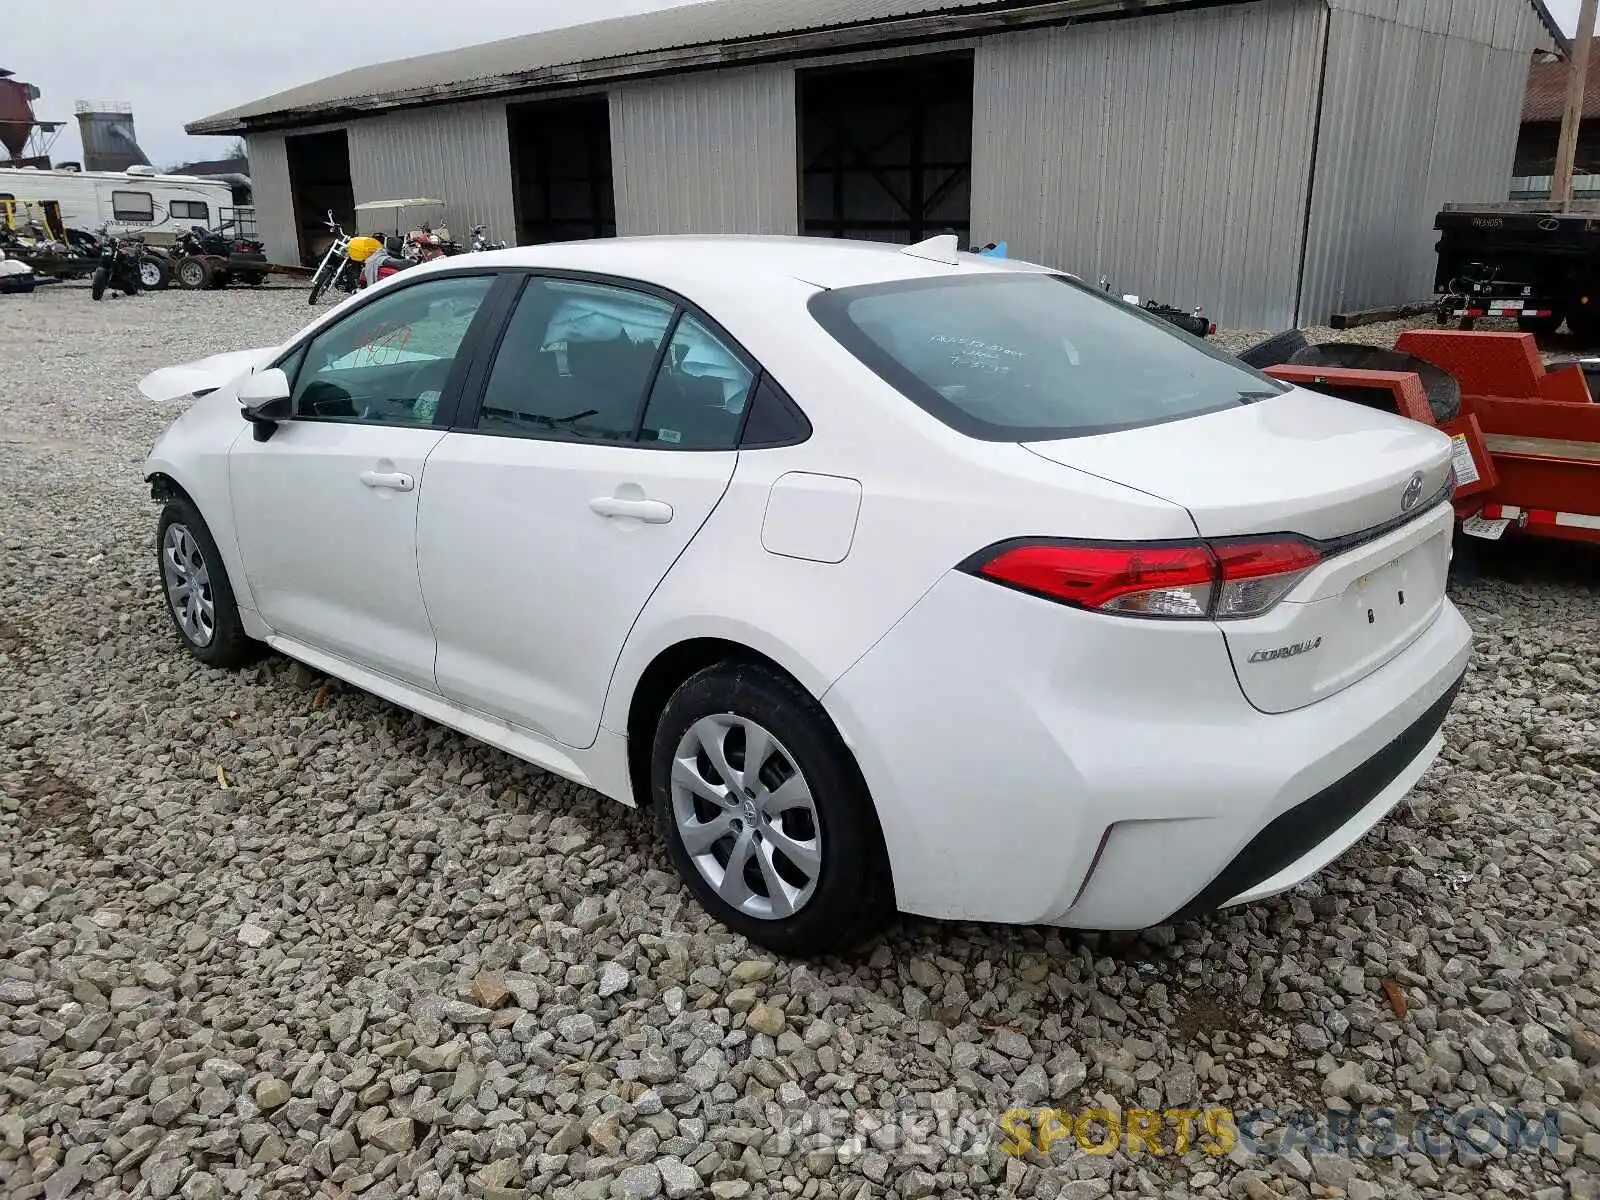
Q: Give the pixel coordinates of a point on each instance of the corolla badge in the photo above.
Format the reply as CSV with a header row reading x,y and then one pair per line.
x,y
1291,651
1413,492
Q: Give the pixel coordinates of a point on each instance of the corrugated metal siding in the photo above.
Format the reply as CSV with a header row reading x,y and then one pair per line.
x,y
1170,152
459,153
708,153
1411,119
274,202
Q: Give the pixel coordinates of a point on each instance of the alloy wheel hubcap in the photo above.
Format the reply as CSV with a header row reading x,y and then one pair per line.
x,y
188,582
149,274
746,816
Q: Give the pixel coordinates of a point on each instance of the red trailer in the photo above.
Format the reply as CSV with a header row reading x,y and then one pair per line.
x,y
1527,438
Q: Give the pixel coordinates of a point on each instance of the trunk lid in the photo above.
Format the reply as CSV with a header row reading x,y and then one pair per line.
x,y
1362,482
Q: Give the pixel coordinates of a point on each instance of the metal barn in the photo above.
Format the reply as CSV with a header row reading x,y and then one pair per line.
x,y
1275,160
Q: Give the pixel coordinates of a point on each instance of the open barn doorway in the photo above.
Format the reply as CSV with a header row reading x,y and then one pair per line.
x,y
886,149
561,169
319,181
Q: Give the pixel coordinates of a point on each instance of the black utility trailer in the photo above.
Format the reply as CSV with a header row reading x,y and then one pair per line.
x,y
1520,259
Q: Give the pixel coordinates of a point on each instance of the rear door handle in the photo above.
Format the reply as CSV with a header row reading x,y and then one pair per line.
x,y
397,481
651,512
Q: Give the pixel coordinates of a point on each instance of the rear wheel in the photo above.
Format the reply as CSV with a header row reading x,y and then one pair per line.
x,y
765,814
97,283
1541,326
1584,320
194,274
154,272
199,597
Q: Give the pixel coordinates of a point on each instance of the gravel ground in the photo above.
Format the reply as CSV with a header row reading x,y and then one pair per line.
x,y
263,936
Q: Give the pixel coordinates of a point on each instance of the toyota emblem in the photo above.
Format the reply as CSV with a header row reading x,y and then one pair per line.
x,y
1413,493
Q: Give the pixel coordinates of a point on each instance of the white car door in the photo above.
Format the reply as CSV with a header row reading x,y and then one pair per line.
x,y
326,508
605,437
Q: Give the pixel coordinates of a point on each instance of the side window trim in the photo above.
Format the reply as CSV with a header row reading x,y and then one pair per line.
x,y
471,405
466,353
636,438
767,383
500,306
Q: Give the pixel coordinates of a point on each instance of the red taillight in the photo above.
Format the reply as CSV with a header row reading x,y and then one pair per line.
x,y
1241,577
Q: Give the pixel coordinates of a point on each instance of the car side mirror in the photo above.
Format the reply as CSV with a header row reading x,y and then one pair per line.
x,y
265,400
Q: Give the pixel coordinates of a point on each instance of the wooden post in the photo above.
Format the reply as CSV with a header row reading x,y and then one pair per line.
x,y
1577,80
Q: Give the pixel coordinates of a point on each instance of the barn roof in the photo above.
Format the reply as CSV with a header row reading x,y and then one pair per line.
x,y
708,34
1547,90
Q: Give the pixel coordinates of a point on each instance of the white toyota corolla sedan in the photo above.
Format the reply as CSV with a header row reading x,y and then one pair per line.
x,y
888,578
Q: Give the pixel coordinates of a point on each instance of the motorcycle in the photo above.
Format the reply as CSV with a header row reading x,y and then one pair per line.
x,y
1194,322
121,260
479,240
425,245
353,263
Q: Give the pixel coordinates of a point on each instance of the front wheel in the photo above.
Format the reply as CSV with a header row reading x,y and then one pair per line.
x,y
319,282
765,814
199,597
97,283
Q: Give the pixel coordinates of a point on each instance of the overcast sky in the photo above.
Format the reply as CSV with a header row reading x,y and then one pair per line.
x,y
181,60
185,59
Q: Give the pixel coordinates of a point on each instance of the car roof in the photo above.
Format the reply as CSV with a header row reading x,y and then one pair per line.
x,y
681,262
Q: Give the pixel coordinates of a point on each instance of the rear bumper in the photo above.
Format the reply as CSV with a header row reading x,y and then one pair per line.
x,y
1299,842
1032,763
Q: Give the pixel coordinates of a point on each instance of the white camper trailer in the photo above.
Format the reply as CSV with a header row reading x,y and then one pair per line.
x,y
136,201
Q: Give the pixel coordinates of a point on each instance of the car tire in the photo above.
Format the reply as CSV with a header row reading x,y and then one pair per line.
x,y
1275,350
97,283
208,625
193,274
834,893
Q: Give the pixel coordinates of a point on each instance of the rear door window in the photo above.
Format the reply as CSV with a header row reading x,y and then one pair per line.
x,y
1013,356
698,399
575,362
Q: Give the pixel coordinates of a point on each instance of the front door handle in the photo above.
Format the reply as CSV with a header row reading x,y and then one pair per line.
x,y
651,512
397,481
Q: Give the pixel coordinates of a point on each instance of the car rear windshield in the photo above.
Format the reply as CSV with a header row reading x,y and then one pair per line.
x,y
1020,357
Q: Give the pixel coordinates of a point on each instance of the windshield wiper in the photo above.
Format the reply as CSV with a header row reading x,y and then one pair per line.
x,y
1250,397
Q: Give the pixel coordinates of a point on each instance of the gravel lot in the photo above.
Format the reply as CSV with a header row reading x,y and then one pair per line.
x,y
263,936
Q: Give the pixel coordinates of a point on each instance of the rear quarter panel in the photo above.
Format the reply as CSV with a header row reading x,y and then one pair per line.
x,y
930,498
